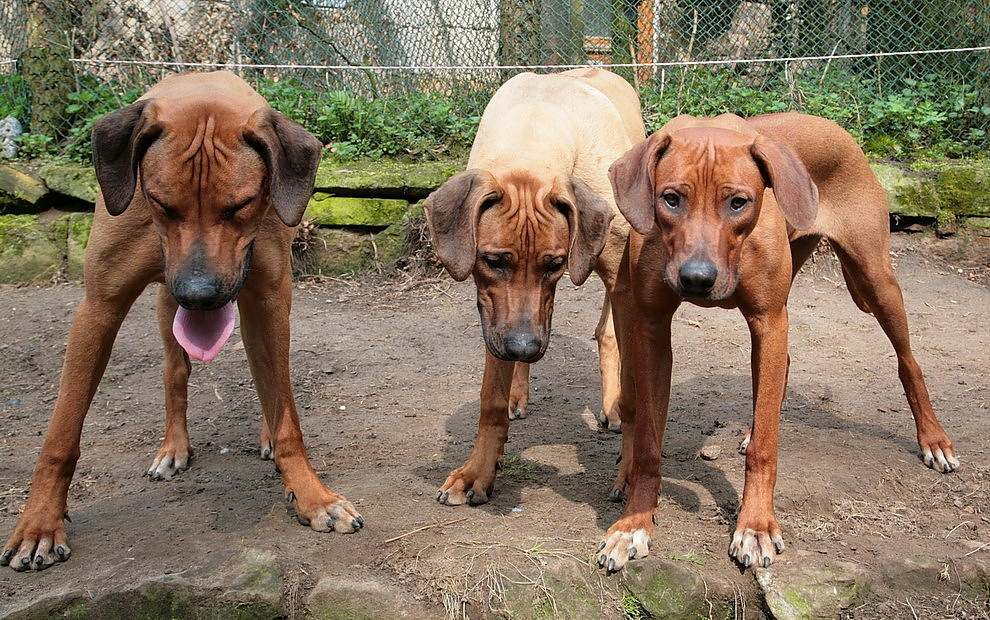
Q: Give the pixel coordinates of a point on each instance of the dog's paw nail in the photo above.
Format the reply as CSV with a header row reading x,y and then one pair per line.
x,y
498,465
746,561
611,565
779,546
601,545
330,522
25,561
290,497
618,459
60,550
649,544
444,497
632,552
766,562
470,494
66,517
656,520
601,560
357,523
439,495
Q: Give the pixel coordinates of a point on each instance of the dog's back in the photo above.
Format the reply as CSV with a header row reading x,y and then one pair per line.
x,y
576,122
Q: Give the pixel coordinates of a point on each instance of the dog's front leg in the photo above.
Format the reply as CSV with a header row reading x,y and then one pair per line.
x,y
648,361
173,456
473,481
39,538
758,538
265,328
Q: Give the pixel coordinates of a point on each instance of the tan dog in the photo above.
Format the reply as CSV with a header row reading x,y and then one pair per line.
x,y
535,198
202,185
709,229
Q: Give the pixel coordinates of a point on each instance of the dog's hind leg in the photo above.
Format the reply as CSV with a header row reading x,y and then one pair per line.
x,y
173,457
519,392
867,269
610,369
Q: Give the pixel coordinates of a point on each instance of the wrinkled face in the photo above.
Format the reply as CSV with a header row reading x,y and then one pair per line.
x,y
522,252
709,191
208,194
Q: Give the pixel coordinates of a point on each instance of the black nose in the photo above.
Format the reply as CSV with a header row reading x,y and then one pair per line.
x,y
522,346
199,292
697,278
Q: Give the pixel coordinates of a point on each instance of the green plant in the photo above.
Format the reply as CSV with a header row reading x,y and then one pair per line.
x,y
14,100
632,609
34,146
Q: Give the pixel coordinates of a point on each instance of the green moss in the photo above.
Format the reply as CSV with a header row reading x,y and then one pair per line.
x,y
75,181
666,590
27,251
329,210
385,178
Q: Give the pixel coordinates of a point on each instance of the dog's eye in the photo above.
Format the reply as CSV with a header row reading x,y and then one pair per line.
x,y
738,203
672,200
230,212
494,261
554,264
169,212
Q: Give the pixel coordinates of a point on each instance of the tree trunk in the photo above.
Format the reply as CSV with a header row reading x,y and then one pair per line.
x,y
46,67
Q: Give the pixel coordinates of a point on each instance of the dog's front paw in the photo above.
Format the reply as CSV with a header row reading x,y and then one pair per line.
x,y
330,512
756,541
468,484
628,538
169,461
38,541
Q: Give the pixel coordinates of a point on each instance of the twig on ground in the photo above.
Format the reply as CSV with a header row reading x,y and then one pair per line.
x,y
426,527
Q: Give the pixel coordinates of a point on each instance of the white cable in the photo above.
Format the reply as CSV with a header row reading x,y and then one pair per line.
x,y
685,63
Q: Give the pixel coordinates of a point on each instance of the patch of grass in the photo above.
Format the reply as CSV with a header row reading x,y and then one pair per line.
x,y
690,556
517,469
632,609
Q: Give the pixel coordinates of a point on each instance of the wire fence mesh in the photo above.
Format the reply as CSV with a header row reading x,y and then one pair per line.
x,y
411,77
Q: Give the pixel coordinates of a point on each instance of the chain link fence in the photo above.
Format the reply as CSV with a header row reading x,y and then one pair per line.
x,y
411,77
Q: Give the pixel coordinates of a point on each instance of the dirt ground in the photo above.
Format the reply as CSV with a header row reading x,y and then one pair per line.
x,y
387,372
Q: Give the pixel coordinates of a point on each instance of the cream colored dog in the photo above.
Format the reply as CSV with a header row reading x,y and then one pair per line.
x,y
536,197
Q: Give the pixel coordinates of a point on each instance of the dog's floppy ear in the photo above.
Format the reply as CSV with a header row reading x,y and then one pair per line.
x,y
120,140
632,181
588,216
292,155
452,212
784,171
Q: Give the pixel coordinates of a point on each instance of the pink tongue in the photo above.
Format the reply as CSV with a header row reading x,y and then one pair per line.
x,y
202,333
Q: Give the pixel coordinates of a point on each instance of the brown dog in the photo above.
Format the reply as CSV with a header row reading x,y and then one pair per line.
x,y
535,198
710,230
202,185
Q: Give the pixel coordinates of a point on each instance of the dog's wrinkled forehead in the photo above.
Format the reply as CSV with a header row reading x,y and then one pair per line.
x,y
525,214
709,155
199,139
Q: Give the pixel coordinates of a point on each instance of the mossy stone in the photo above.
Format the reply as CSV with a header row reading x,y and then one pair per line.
x,y
385,178
327,210
21,183
667,590
75,181
801,591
